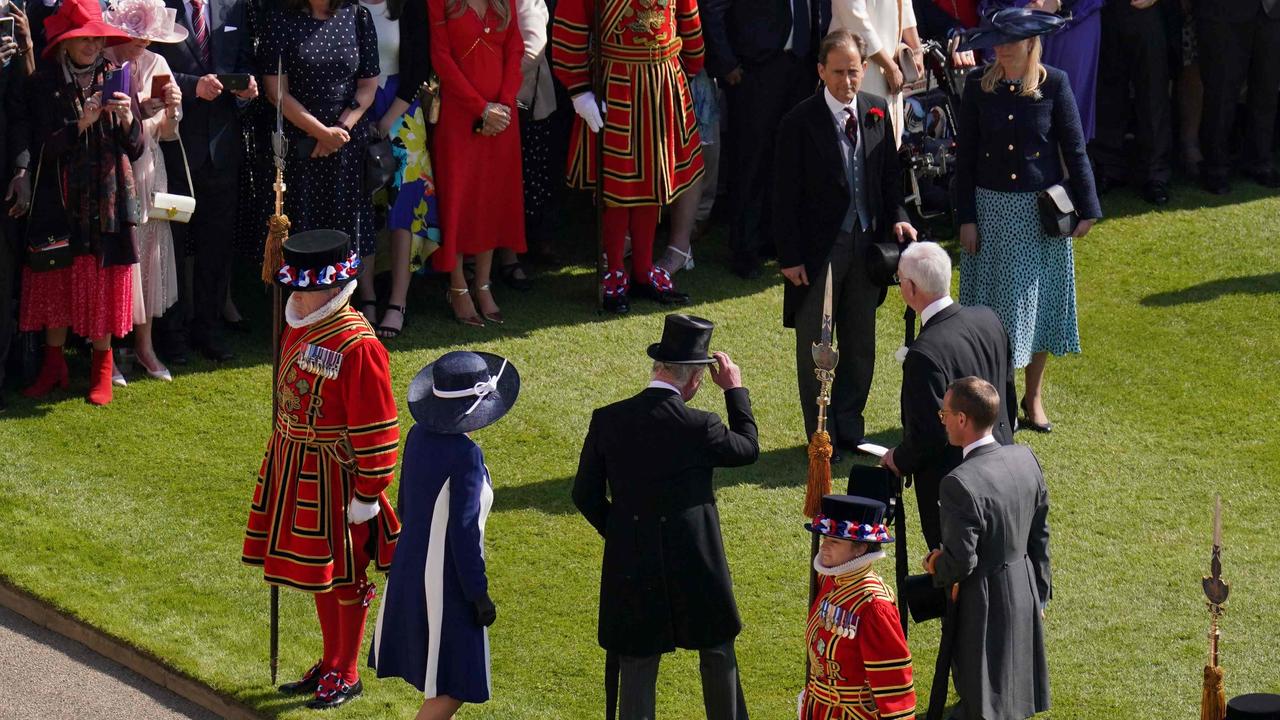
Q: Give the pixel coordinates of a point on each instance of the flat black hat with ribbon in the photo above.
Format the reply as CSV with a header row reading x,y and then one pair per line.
x,y
850,517
463,391
318,260
686,340
1010,25
1254,706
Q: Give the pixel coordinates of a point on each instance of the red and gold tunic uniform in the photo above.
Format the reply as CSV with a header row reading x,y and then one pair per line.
x,y
651,145
336,438
859,664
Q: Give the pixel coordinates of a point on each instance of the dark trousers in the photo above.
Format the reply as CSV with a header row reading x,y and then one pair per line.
x,y
211,232
756,105
721,687
10,257
854,300
1233,53
1135,49
927,494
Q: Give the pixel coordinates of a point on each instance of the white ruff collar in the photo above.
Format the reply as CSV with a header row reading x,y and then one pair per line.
x,y
853,565
324,311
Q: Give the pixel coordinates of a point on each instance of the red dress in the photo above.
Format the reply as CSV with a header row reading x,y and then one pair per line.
x,y
478,178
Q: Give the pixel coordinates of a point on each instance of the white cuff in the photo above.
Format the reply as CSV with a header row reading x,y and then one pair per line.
x,y
360,511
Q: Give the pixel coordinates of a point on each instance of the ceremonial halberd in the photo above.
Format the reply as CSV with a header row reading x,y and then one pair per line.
x,y
859,664
336,437
651,143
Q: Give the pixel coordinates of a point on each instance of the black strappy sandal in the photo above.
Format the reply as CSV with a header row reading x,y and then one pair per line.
x,y
390,333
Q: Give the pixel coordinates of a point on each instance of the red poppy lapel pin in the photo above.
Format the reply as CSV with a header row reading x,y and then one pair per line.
x,y
874,116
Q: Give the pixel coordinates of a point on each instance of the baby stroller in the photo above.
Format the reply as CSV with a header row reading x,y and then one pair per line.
x,y
928,150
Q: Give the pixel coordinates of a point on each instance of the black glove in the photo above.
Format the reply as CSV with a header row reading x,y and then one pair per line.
x,y
485,611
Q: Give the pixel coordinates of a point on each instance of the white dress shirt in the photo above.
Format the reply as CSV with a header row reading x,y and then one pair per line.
x,y
984,440
840,117
664,386
932,308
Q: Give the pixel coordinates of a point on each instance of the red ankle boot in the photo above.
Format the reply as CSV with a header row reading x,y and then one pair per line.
x,y
100,378
53,373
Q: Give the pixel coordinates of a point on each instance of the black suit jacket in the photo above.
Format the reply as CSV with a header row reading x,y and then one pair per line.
x,y
211,128
811,191
644,482
749,32
1236,11
956,342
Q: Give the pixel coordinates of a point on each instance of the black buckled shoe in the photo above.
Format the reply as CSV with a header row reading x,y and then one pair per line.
x,y
334,692
307,685
617,304
659,288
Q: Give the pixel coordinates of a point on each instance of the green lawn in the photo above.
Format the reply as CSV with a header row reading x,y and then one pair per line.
x,y
131,516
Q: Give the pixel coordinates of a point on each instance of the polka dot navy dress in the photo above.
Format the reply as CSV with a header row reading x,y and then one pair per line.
x,y
1025,276
322,60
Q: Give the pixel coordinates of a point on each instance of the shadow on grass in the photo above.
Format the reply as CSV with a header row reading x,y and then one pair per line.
x,y
1214,289
270,703
786,467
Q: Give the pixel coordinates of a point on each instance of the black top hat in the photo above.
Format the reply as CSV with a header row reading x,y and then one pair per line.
x,y
874,482
1010,25
882,263
1255,706
849,517
318,260
925,601
463,391
685,341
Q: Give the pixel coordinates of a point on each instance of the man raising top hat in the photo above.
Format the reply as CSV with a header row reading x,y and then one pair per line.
x,y
644,483
859,664
319,512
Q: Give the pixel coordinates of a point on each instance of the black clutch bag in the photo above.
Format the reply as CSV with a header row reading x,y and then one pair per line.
x,y
48,231
379,165
1058,215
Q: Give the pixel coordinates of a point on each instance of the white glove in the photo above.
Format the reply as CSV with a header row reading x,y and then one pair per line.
x,y
362,512
586,106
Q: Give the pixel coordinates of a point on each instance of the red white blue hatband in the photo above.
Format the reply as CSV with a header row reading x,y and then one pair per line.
x,y
848,530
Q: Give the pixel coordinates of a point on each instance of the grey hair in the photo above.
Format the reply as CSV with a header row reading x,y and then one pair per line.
x,y
928,266
679,372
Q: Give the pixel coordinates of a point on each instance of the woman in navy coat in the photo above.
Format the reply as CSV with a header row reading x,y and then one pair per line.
x,y
433,624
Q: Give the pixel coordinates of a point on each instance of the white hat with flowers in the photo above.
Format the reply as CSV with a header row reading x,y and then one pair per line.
x,y
146,20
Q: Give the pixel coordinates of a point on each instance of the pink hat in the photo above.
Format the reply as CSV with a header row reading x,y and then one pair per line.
x,y
146,20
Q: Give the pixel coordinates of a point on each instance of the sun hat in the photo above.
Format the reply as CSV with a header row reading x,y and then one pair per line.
x,y
146,20
79,18
463,391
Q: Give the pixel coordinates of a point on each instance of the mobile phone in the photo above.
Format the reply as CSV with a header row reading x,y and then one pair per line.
x,y
158,84
6,26
234,82
115,81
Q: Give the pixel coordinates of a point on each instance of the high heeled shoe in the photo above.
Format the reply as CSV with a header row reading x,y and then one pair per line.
x,y
687,263
469,320
494,317
1030,424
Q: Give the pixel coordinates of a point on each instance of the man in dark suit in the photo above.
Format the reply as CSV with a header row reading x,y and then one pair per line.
x,y
645,484
763,53
954,342
837,189
15,159
995,557
218,43
1240,40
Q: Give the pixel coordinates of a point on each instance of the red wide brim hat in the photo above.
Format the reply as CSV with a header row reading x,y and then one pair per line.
x,y
79,18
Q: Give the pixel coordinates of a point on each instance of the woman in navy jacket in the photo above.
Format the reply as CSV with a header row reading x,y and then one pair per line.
x,y
1020,133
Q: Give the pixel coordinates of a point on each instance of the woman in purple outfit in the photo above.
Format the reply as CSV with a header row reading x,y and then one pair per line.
x,y
1073,50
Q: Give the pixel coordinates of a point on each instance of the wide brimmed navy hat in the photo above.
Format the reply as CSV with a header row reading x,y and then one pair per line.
x,y
1010,25
318,260
686,340
1254,706
463,391
850,517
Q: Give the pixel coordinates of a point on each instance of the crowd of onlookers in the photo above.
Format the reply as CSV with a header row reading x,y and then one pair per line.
x,y
115,118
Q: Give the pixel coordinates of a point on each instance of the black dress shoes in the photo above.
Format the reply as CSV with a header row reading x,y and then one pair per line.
x,y
335,692
1215,185
663,297
617,304
1266,178
1156,193
214,350
306,686
1026,423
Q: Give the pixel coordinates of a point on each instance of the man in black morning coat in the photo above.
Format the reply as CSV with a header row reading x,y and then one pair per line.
x,y
644,483
837,189
954,342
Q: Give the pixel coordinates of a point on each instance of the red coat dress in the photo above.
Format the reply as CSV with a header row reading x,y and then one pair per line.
x,y
859,664
652,151
336,437
478,178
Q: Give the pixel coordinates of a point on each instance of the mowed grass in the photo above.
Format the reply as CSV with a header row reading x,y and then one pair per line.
x,y
131,516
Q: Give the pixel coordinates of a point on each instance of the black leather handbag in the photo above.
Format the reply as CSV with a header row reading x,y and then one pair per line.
x,y
48,234
1058,215
380,165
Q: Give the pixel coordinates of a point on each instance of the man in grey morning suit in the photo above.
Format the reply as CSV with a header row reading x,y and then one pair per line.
x,y
995,555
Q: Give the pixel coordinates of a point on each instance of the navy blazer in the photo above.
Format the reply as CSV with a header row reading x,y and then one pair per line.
x,y
1011,143
749,32
211,128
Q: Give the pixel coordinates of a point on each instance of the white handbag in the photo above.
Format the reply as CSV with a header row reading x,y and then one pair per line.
x,y
171,207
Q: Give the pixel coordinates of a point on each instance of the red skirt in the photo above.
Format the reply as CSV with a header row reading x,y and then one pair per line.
x,y
93,301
